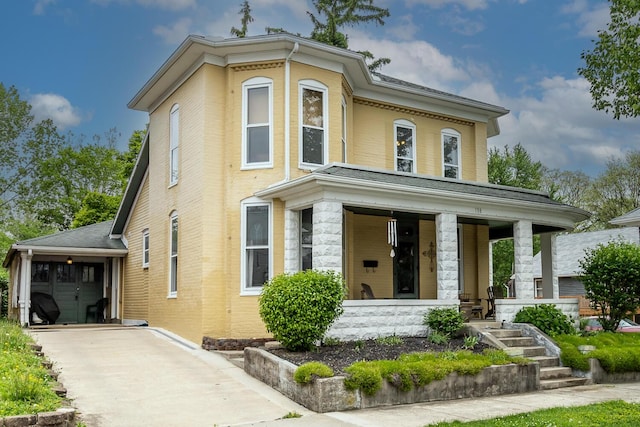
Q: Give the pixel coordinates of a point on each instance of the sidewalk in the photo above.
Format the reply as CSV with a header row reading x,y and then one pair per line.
x,y
146,376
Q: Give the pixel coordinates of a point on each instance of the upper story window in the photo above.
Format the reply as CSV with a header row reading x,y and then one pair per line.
x,y
174,142
451,153
256,246
405,147
313,123
145,248
173,256
344,130
257,123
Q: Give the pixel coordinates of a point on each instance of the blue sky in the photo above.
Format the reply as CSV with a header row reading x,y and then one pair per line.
x,y
80,62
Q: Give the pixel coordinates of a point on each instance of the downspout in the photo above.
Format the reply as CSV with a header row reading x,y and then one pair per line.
x,y
287,113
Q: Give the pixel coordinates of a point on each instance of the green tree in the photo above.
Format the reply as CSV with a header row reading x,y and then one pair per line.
x,y
572,188
616,191
514,168
613,66
96,207
611,277
245,11
332,15
130,157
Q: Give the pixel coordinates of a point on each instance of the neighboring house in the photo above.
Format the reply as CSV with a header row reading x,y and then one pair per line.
x,y
630,219
570,250
277,153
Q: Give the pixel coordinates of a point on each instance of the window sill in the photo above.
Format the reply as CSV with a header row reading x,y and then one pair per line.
x,y
250,292
256,166
172,296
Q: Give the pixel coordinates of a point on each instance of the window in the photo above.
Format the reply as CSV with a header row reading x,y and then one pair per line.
x,y
313,112
256,242
40,272
451,153
306,239
174,142
257,119
344,130
173,257
405,153
145,248
539,290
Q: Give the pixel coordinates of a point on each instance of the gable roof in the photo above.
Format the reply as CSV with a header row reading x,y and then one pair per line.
x,y
90,240
570,248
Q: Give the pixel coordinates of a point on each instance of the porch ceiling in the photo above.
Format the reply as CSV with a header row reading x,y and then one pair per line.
x,y
379,192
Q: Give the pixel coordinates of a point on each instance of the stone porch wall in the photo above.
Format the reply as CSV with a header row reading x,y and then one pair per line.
x,y
366,319
507,308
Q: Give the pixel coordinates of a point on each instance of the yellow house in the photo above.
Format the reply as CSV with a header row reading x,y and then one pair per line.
x,y
277,153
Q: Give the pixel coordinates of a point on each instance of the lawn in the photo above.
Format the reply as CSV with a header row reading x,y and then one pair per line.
x,y
614,413
25,386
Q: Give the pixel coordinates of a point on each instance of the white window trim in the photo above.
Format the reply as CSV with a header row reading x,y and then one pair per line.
x,y
145,248
254,83
451,132
173,217
317,86
253,201
405,124
174,145
344,130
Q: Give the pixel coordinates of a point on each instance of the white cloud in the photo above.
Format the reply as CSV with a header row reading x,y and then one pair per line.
x,y
56,108
159,4
39,7
175,33
589,18
467,4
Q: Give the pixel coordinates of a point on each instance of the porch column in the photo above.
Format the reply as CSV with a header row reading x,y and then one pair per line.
x,y
550,288
447,255
327,236
291,241
24,301
523,259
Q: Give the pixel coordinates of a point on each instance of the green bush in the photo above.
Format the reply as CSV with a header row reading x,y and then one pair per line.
x,y
616,352
299,308
546,317
310,370
611,277
446,321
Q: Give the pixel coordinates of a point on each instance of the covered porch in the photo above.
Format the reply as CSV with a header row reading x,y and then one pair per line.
x,y
79,270
339,218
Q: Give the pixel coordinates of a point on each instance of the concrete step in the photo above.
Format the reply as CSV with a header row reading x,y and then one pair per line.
x,y
546,361
517,341
562,382
555,372
529,351
504,333
234,356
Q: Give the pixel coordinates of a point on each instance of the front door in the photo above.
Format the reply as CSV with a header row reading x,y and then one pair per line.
x,y
405,262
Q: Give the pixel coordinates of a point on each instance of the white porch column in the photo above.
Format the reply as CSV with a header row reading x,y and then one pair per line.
x,y
523,259
447,255
549,263
115,281
327,236
24,301
291,241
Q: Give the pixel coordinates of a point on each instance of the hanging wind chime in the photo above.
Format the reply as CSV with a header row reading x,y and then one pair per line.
x,y
392,235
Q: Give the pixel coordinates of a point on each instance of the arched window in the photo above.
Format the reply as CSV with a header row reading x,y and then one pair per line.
x,y
451,144
404,133
257,119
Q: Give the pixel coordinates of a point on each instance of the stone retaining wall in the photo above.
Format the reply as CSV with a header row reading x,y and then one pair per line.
x,y
63,417
329,394
507,308
225,344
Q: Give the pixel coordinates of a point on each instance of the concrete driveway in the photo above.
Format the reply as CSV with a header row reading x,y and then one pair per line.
x,y
148,377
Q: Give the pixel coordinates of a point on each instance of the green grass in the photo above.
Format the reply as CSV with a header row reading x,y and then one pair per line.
x,y
615,413
25,386
617,352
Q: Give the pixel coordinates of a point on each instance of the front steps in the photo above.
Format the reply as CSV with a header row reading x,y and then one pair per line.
x,y
552,375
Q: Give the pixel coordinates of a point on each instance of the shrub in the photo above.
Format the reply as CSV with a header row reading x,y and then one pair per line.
x,y
546,317
438,338
611,277
307,372
363,376
299,308
391,340
446,321
616,352
470,342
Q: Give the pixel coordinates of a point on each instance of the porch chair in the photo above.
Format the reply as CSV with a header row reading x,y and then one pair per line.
x,y
366,292
97,310
491,303
476,310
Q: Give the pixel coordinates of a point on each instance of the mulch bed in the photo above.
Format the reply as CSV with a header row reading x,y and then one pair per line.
x,y
343,354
